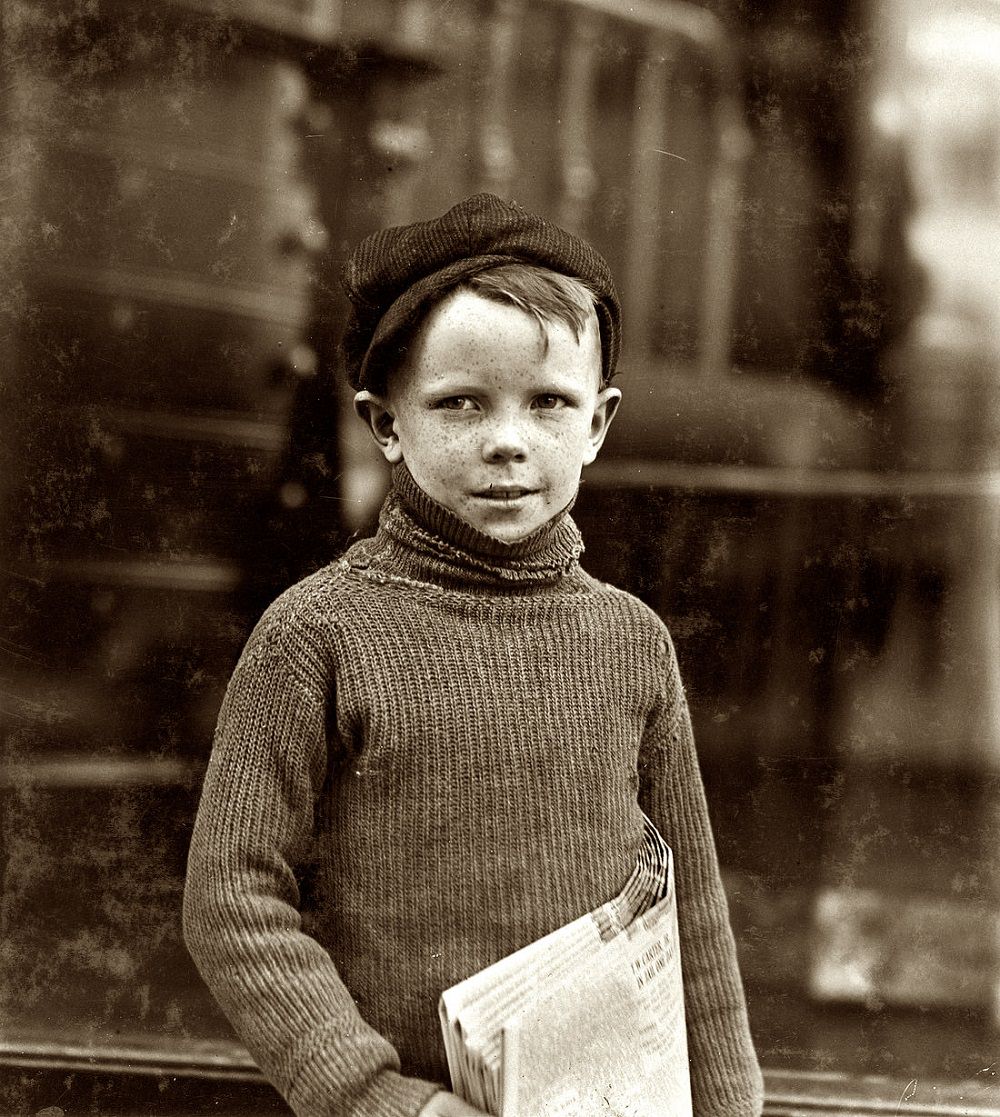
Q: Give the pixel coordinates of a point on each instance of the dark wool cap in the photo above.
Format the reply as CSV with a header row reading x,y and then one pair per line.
x,y
394,276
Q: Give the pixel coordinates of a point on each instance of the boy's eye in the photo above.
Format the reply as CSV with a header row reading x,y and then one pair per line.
x,y
549,402
457,403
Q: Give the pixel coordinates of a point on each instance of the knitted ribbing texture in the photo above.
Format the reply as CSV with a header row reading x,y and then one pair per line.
x,y
432,752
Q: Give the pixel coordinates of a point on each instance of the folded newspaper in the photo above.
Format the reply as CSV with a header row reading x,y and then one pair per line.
x,y
586,1022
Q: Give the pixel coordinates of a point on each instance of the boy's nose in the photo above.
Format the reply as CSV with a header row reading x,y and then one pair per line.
x,y
505,441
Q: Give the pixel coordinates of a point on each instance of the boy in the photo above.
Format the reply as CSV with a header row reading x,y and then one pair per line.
x,y
440,748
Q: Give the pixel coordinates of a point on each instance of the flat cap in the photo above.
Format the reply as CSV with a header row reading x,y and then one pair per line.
x,y
396,274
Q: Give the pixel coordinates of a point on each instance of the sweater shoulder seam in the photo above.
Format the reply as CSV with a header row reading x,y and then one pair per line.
x,y
304,610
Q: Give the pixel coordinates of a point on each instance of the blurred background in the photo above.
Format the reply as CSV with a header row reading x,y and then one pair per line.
x,y
801,201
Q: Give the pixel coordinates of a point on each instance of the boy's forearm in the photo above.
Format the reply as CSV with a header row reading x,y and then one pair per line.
x,y
278,986
281,994
726,1079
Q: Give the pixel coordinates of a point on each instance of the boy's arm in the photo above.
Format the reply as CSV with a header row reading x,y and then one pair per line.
x,y
725,1077
278,986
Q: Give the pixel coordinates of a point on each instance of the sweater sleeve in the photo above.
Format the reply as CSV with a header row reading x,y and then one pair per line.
x,y
725,1076
279,988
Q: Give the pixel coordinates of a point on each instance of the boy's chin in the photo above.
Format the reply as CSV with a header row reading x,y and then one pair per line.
x,y
508,525
505,535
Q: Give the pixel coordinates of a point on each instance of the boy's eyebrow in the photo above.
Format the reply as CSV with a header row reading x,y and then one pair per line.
x,y
548,386
455,387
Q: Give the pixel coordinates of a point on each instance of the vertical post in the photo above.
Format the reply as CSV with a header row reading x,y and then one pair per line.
x,y
719,276
576,112
497,158
650,114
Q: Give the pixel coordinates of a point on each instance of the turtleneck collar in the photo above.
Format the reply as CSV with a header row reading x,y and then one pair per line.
x,y
425,540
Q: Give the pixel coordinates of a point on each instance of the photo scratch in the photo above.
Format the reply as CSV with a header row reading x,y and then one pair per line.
x,y
907,1094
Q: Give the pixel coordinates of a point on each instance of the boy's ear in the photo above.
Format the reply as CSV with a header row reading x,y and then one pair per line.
x,y
605,410
377,414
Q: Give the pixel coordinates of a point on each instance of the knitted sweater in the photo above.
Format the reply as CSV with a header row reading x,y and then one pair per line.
x,y
431,753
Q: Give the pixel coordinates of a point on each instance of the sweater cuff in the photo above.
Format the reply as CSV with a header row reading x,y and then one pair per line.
x,y
387,1094
394,1095
734,1089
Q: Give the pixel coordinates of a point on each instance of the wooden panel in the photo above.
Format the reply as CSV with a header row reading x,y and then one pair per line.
x,y
92,965
126,483
162,275
170,430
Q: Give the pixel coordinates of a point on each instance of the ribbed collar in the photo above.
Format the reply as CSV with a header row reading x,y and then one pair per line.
x,y
427,541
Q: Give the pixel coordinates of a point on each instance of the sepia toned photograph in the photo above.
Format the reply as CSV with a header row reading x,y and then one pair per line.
x,y
500,558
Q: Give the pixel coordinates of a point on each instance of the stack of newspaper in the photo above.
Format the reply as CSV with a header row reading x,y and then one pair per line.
x,y
586,1022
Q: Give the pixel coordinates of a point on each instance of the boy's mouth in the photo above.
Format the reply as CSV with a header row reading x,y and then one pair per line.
x,y
504,493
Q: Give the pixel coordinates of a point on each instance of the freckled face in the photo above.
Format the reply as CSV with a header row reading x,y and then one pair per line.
x,y
490,423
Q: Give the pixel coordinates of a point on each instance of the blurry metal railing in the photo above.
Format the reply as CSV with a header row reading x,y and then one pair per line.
x,y
666,30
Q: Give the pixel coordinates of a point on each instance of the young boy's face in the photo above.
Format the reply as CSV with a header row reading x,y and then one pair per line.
x,y
491,423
